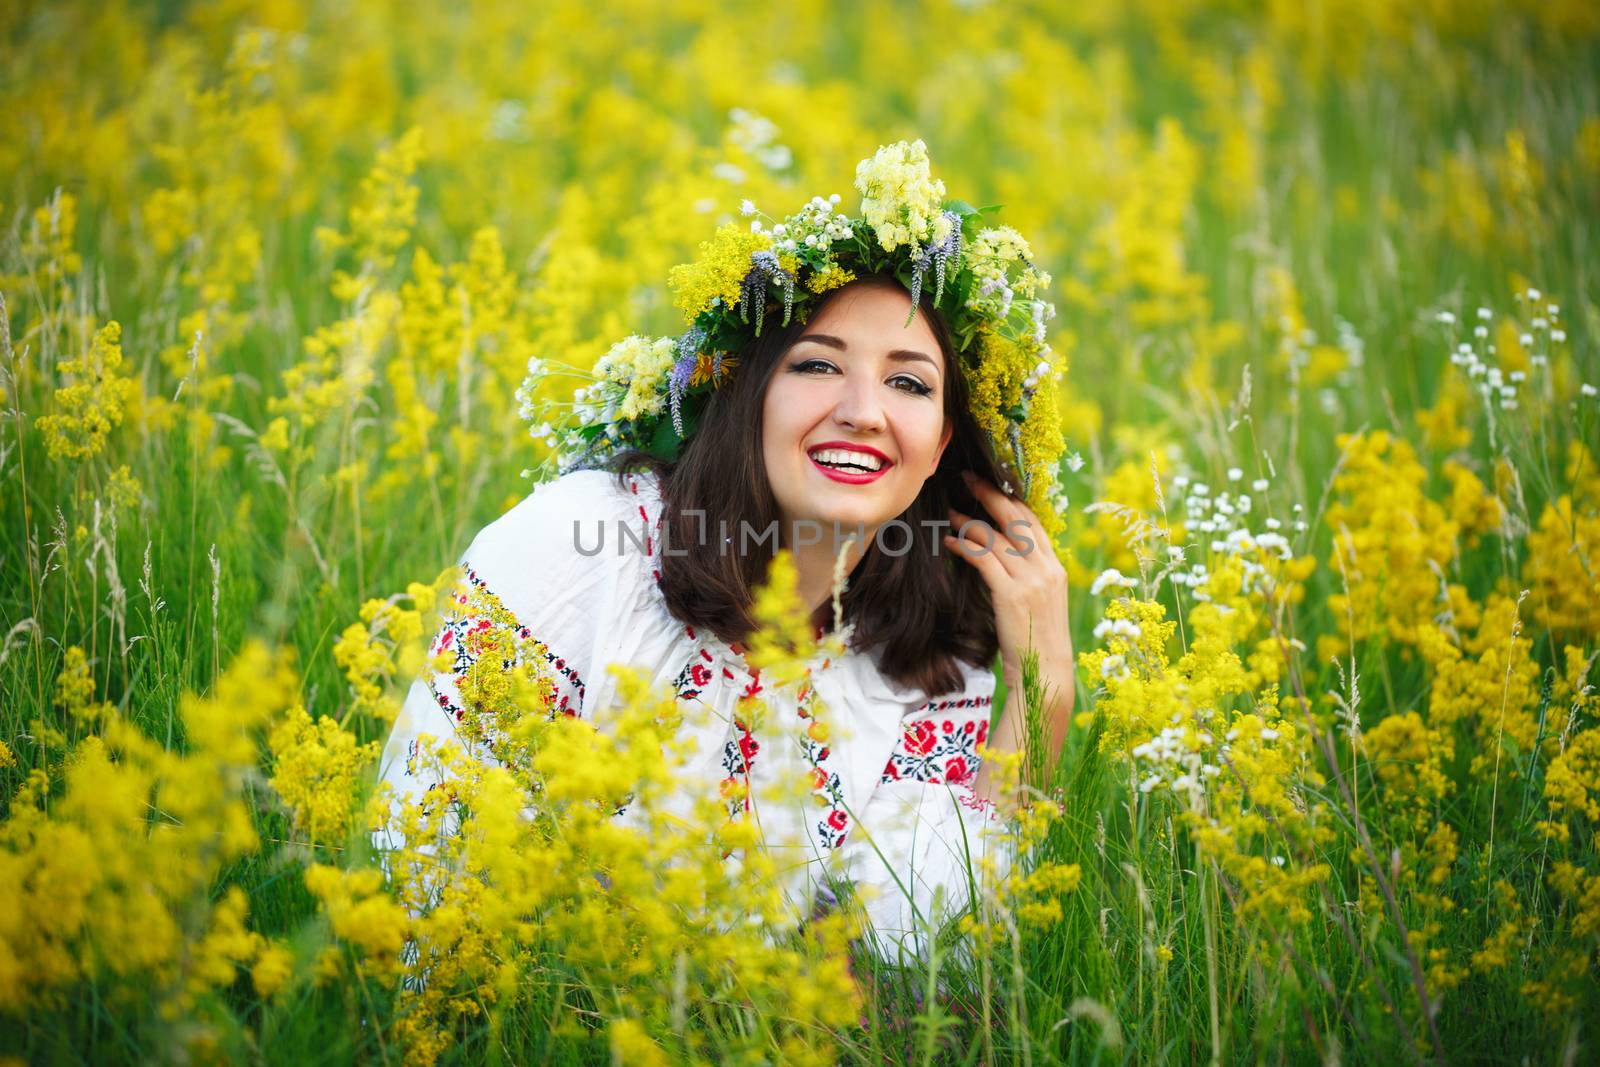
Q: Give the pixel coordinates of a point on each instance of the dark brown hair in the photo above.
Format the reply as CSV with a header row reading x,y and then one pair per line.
x,y
923,610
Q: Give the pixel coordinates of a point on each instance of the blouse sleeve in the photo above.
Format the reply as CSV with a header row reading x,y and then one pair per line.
x,y
528,589
921,840
941,741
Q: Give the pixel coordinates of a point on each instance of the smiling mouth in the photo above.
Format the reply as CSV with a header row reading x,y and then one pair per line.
x,y
854,460
858,465
849,464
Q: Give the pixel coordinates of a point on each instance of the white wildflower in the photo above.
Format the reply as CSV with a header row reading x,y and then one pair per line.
x,y
1111,577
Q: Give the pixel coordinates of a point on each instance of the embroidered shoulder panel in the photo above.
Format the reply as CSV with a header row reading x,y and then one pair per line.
x,y
486,661
941,742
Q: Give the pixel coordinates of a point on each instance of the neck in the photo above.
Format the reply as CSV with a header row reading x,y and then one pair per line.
x,y
815,567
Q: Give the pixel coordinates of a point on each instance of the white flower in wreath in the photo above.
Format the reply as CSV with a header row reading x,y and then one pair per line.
x,y
640,365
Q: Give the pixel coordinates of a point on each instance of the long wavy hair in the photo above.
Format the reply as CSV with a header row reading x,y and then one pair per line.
x,y
923,610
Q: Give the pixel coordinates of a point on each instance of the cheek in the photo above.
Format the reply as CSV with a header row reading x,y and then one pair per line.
x,y
920,430
788,413
780,422
772,420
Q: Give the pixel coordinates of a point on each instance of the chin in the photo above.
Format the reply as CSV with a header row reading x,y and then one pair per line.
x,y
825,502
848,512
848,518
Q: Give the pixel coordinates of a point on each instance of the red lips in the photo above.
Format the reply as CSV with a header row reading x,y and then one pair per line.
x,y
850,477
851,447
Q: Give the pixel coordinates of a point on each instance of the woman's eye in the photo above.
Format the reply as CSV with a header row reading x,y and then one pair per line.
x,y
903,382
911,385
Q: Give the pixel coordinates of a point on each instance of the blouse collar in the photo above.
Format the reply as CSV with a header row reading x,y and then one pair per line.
x,y
861,666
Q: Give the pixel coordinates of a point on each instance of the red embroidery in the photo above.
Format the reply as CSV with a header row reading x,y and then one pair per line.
x,y
968,799
920,738
741,751
939,750
467,633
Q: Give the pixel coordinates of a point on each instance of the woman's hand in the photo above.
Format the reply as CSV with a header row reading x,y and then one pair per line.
x,y
1028,587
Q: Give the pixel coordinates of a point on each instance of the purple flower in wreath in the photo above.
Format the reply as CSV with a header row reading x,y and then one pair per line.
x,y
682,370
943,256
764,270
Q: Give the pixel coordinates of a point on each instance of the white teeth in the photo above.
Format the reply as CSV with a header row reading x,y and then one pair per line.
x,y
837,456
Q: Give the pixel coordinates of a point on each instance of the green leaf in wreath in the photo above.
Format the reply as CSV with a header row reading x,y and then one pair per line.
x,y
665,443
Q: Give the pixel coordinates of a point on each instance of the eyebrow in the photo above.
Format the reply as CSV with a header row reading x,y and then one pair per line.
x,y
899,355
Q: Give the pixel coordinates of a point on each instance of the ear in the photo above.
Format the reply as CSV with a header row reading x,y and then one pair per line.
x,y
944,440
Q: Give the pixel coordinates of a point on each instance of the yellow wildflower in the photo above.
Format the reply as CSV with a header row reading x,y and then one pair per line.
x,y
832,277
317,766
93,403
273,968
716,275
75,688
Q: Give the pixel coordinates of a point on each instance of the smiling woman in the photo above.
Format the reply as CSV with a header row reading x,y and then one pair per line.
x,y
848,430
860,408
837,427
843,381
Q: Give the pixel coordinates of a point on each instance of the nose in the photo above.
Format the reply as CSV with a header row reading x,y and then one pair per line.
x,y
859,406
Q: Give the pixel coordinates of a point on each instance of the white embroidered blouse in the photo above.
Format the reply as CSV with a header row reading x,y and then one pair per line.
x,y
892,806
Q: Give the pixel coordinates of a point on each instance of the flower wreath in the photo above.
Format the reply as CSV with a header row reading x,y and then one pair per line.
x,y
649,392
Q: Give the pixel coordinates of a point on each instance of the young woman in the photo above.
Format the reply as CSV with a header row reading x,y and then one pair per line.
x,y
848,438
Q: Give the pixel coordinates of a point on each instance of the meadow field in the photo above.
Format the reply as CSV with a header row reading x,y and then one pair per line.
x,y
272,275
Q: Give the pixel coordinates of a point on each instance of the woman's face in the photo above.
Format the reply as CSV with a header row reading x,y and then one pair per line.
x,y
853,420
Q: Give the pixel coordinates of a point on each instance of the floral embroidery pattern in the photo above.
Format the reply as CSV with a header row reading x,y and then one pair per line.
x,y
738,756
968,799
485,642
649,542
941,743
834,822
696,674
739,752
569,697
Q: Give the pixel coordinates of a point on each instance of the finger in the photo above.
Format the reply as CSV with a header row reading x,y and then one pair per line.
x,y
984,528
991,569
1021,527
985,536
1028,533
997,503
